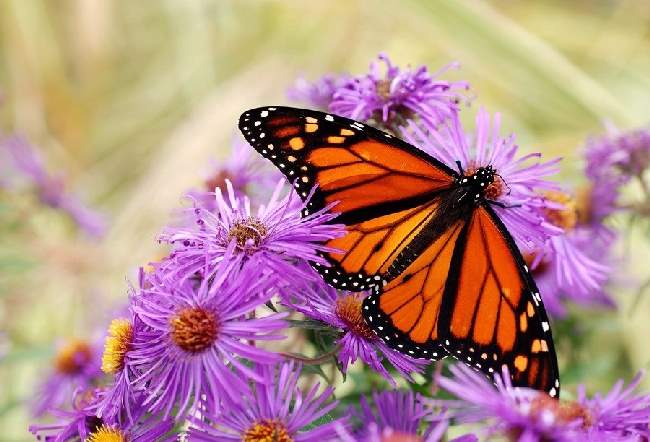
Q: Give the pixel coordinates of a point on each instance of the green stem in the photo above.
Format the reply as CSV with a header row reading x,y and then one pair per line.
x,y
318,360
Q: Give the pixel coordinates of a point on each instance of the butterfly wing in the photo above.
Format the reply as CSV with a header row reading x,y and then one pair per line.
x,y
492,314
468,293
405,310
383,189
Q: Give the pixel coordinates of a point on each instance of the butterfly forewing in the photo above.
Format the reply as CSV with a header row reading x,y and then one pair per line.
x,y
383,189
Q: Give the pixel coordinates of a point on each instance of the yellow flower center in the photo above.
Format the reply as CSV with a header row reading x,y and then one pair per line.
x,y
106,434
566,217
248,231
267,430
584,205
348,309
194,329
117,344
73,357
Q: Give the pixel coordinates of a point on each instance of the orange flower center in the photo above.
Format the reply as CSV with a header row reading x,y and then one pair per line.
x,y
542,266
383,89
194,329
566,217
248,231
72,358
564,412
584,206
218,180
401,437
544,407
348,309
267,430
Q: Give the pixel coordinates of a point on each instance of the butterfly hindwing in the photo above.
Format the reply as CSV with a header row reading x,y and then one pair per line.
x,y
383,189
491,313
407,307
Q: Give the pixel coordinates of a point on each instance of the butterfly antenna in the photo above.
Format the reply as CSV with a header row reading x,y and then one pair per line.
x,y
460,167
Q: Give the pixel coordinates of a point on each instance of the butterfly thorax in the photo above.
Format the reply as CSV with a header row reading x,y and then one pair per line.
x,y
456,204
478,184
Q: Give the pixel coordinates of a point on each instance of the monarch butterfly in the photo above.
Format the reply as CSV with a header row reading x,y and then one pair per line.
x,y
445,275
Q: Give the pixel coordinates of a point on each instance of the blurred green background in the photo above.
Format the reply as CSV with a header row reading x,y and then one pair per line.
x,y
131,100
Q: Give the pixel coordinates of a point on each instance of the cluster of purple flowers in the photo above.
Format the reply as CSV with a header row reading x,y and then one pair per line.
x,y
20,162
197,351
528,415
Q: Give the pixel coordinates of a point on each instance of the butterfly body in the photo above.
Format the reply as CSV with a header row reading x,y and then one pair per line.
x,y
445,275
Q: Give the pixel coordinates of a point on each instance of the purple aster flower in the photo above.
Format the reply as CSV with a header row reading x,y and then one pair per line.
x,y
572,266
76,365
272,409
520,414
357,341
271,240
619,415
198,330
391,95
81,423
518,183
318,94
243,168
618,156
399,417
51,189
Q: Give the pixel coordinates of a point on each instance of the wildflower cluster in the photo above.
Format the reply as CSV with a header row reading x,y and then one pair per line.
x,y
21,166
214,341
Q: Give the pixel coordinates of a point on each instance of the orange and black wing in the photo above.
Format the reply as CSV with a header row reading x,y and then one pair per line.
x,y
405,310
383,189
492,314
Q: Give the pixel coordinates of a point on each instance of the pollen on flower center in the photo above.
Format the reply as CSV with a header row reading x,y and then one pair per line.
x,y
383,89
249,231
118,343
194,329
348,309
584,206
567,217
400,437
267,430
218,180
542,265
563,412
106,434
72,358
